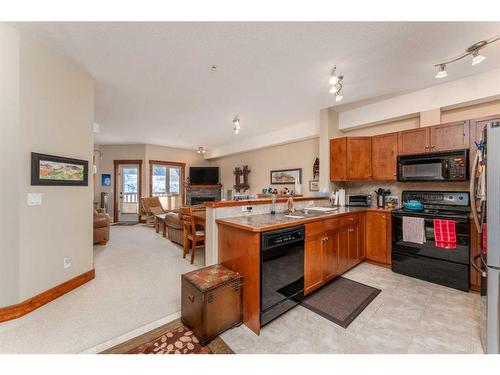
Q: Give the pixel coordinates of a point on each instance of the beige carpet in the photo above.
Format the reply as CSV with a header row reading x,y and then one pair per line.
x,y
137,282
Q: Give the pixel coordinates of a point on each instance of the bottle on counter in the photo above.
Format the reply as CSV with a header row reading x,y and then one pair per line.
x,y
273,205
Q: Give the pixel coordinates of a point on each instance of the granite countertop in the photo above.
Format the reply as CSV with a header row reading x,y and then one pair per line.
x,y
265,222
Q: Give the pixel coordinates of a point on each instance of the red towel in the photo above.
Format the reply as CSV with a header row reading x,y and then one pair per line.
x,y
484,242
445,234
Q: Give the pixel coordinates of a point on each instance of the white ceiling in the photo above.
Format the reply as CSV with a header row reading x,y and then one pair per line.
x,y
154,83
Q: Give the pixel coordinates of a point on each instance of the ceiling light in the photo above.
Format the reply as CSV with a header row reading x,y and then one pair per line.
x,y
471,51
339,97
236,125
477,58
201,150
333,77
333,90
441,73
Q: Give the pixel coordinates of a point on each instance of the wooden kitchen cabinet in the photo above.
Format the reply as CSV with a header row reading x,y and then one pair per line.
x,y
350,251
321,253
359,158
414,141
338,159
444,137
384,156
378,237
313,263
331,255
452,136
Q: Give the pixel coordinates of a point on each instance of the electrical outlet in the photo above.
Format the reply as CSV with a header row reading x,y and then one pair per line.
x,y
67,262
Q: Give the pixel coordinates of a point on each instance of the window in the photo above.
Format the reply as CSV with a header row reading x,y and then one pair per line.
x,y
167,181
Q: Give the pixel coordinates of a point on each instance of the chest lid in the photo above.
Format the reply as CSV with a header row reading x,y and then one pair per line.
x,y
210,277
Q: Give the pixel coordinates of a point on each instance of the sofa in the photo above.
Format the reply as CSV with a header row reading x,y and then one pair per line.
x,y
175,229
175,225
102,222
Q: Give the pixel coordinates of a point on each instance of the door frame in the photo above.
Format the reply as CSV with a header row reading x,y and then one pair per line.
x,y
117,164
181,165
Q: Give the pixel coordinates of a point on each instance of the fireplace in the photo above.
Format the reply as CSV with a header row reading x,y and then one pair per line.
x,y
200,200
197,194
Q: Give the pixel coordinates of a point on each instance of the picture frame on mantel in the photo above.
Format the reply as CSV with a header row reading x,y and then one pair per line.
x,y
50,170
286,176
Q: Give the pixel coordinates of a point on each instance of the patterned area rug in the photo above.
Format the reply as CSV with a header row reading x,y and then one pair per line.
x,y
172,338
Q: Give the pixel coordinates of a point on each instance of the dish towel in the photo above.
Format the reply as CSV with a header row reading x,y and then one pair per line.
x,y
445,234
413,229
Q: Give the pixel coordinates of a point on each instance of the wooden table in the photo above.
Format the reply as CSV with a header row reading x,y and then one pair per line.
x,y
160,221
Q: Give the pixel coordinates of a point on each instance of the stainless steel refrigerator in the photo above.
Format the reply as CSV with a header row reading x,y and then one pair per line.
x,y
485,201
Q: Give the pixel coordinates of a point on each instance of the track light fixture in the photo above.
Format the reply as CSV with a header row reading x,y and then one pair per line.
x,y
441,73
477,58
236,125
336,85
472,51
201,150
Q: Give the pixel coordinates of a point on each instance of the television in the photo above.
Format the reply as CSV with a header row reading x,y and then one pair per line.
x,y
204,175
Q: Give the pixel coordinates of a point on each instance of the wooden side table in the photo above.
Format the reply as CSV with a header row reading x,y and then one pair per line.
x,y
160,222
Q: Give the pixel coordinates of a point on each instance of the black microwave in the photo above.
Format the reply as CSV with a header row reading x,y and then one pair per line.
x,y
434,166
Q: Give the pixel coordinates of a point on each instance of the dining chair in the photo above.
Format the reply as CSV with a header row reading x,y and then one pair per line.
x,y
193,238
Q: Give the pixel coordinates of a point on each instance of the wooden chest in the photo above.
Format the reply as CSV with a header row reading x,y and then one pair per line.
x,y
211,301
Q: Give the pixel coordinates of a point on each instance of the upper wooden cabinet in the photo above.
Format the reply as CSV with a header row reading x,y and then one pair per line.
x,y
359,158
444,137
378,237
338,159
384,156
452,136
414,141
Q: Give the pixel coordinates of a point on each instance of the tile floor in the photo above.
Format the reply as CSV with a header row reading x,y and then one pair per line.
x,y
408,316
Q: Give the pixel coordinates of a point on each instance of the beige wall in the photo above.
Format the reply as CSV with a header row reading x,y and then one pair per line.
x,y
9,154
470,112
55,116
142,152
292,155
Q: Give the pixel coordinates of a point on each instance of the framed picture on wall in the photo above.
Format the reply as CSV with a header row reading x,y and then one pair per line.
x,y
313,185
106,180
58,170
286,176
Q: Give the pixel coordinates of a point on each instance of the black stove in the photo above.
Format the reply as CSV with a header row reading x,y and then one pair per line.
x,y
449,267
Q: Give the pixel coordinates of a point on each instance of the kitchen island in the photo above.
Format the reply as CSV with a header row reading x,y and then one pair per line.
x,y
334,243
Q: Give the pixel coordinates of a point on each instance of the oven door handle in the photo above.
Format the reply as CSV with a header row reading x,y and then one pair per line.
x,y
476,267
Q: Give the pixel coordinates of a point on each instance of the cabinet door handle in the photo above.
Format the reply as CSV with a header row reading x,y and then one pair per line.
x,y
432,146
426,146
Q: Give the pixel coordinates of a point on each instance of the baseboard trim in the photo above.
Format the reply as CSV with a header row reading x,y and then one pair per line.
x,y
25,307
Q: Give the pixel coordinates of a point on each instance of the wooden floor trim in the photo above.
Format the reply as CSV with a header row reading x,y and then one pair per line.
x,y
25,307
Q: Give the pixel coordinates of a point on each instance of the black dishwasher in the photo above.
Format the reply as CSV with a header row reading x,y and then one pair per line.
x,y
282,271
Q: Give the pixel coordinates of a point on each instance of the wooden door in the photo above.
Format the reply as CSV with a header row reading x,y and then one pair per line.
x,y
338,159
343,249
352,244
452,136
377,240
359,158
313,263
361,236
475,130
384,156
414,141
331,255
